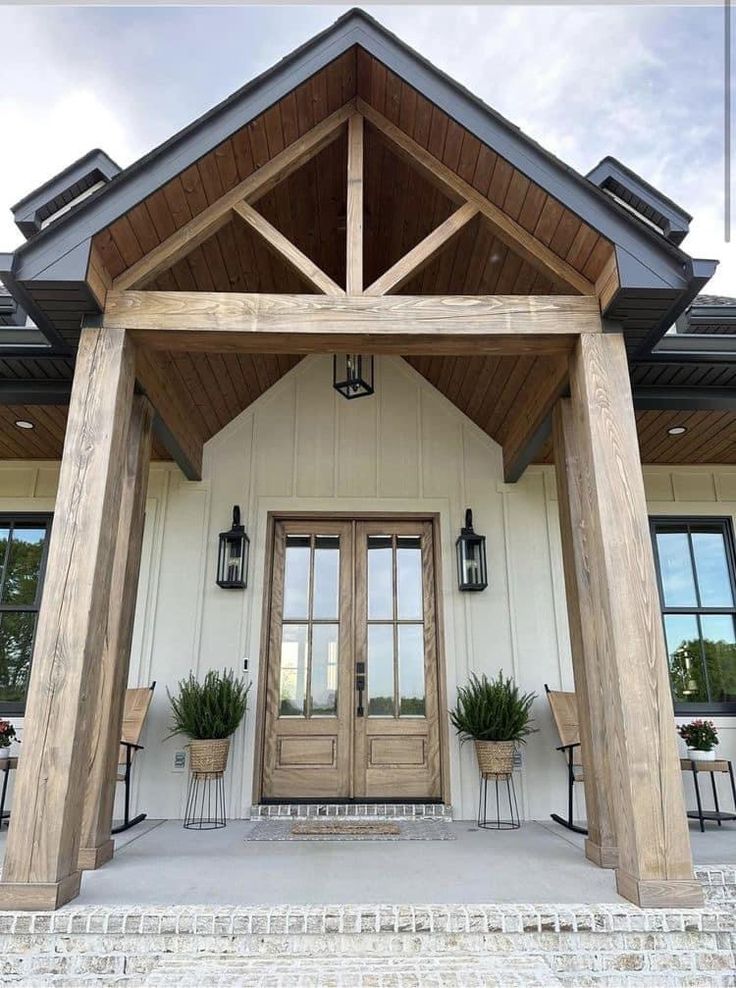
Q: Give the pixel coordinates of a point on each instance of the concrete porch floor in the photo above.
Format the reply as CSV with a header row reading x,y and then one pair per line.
x,y
159,863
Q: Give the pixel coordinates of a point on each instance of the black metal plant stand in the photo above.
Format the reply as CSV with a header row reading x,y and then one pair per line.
x,y
513,822
205,809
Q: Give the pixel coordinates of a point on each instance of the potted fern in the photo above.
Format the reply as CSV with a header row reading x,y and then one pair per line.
x,y
496,716
208,713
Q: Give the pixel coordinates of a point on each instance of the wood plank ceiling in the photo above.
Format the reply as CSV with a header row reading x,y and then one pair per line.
x,y
309,207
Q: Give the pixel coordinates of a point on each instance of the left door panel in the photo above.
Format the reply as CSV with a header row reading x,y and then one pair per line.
x,y
307,738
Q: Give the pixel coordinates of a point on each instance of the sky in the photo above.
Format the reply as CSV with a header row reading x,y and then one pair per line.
x,y
642,83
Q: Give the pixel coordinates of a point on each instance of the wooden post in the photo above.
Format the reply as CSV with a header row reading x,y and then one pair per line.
x,y
97,844
40,870
590,674
620,604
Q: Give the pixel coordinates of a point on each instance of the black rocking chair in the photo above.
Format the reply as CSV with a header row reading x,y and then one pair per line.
x,y
565,713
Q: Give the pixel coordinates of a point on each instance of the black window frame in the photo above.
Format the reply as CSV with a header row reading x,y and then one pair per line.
x,y
11,519
659,523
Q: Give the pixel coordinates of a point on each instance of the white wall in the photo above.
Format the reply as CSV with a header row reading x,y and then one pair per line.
x,y
303,447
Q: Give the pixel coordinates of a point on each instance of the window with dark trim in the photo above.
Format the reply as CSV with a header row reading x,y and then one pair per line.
x,y
697,588
23,547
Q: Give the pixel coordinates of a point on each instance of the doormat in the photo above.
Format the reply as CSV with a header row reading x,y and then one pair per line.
x,y
345,828
342,830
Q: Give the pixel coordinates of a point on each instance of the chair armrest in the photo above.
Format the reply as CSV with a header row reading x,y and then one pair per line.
x,y
565,747
130,744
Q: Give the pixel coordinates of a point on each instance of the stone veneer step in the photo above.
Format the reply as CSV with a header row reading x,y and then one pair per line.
x,y
356,811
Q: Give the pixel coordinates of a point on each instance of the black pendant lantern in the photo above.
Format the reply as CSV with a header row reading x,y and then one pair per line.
x,y
232,558
352,374
472,569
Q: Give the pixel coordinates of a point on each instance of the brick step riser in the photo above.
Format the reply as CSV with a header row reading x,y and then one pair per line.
x,y
373,944
564,953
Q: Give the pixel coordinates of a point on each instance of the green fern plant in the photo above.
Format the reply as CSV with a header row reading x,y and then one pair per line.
x,y
492,710
209,710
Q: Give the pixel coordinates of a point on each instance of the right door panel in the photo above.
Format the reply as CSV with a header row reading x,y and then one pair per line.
x,y
397,746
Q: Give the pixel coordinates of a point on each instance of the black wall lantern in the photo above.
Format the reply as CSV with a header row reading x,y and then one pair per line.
x,y
472,569
352,374
232,557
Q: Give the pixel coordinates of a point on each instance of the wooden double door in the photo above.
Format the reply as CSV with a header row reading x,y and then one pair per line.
x,y
352,699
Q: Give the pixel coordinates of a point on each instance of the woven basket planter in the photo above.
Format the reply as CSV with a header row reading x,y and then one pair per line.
x,y
209,756
495,758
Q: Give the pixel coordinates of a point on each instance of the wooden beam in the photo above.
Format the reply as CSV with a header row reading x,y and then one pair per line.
x,y
216,215
354,227
425,251
40,869
96,844
591,677
507,229
546,382
230,322
173,421
287,250
621,606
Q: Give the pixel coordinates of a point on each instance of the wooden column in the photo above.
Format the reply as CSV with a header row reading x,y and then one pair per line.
x,y
620,604
96,843
40,870
589,671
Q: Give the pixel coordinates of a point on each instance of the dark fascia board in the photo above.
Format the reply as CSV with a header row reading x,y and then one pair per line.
x,y
705,315
32,392
675,221
133,184
684,399
699,272
25,301
693,348
93,165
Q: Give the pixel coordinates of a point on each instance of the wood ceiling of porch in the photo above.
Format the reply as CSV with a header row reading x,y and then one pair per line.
x,y
401,206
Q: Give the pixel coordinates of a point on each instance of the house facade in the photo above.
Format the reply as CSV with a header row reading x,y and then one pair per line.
x,y
535,346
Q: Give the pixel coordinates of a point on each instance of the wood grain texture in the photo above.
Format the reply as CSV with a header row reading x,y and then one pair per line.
x,y
308,270
542,388
45,830
624,611
214,216
291,323
99,794
591,676
524,243
154,374
354,207
420,256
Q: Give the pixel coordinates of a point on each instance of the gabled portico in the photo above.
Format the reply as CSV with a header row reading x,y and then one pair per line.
x,y
356,202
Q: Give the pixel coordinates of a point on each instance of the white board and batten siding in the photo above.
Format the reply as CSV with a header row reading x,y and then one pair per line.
x,y
302,447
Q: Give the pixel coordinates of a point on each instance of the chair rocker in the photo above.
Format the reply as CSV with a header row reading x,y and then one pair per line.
x,y
565,714
137,702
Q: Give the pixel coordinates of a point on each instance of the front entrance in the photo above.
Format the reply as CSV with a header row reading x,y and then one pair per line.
x,y
351,706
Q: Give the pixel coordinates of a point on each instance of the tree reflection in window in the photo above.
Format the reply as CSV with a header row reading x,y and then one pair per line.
x,y
23,544
695,572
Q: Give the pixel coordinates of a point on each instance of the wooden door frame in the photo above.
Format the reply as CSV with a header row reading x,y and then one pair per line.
x,y
433,517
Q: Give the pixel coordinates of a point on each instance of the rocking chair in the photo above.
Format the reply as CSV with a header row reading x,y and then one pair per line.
x,y
565,714
137,702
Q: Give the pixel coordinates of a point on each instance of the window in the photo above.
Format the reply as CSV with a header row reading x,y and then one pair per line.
x,y
695,572
23,547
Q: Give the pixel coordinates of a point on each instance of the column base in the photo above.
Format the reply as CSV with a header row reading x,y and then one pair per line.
x,y
90,858
39,895
665,893
604,857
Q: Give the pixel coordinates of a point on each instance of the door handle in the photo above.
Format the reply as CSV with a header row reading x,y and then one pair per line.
x,y
360,687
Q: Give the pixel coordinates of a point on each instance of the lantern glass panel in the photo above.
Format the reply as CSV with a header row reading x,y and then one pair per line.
x,y
352,374
471,559
233,560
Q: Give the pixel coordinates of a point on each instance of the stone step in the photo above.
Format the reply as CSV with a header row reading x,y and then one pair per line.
x,y
353,811
719,882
